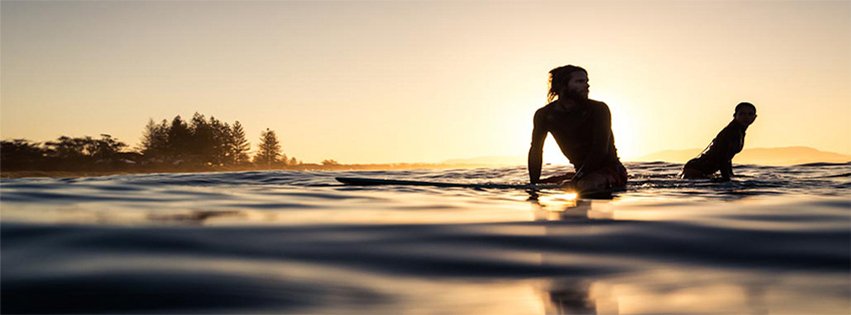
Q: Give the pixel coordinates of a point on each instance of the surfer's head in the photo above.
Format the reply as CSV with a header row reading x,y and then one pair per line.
x,y
568,82
745,113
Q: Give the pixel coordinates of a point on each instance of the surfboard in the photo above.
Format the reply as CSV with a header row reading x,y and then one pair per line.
x,y
363,181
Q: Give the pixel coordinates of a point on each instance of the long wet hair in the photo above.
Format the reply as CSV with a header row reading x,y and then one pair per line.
x,y
559,77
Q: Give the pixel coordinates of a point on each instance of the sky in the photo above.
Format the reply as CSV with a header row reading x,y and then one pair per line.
x,y
426,81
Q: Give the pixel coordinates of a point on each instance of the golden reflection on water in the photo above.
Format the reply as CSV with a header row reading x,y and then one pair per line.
x,y
697,290
669,288
653,287
568,206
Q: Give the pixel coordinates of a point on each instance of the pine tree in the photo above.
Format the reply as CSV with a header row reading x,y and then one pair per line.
x,y
221,142
239,144
269,151
179,139
154,140
202,142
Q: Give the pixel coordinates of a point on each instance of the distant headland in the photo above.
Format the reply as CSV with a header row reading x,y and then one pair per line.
x,y
761,156
199,144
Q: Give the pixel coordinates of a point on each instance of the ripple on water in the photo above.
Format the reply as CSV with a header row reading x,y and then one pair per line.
x,y
773,241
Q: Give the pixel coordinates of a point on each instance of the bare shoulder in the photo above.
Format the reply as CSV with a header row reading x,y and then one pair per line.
x,y
600,106
548,107
544,110
597,103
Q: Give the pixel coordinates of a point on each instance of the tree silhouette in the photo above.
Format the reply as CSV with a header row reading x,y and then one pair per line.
x,y
330,162
269,151
201,147
20,154
67,148
81,153
179,139
199,143
105,148
239,144
220,147
154,144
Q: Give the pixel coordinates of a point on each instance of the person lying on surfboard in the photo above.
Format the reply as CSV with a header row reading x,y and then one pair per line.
x,y
582,128
718,156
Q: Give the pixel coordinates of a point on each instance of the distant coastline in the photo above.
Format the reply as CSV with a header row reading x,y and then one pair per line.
x,y
779,156
759,156
300,167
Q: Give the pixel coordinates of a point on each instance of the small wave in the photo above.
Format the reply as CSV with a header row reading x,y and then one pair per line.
x,y
836,175
822,164
300,242
36,196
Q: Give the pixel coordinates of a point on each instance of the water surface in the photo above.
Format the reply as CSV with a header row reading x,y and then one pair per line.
x,y
775,240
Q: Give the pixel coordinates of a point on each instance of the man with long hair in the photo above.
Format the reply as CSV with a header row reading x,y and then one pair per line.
x,y
582,128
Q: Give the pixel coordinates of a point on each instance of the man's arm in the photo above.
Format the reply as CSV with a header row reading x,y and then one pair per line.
x,y
601,132
727,149
727,170
536,150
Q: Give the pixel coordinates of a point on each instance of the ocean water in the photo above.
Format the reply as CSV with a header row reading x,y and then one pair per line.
x,y
776,240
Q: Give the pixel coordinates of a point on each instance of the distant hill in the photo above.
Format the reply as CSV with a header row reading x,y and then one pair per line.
x,y
762,156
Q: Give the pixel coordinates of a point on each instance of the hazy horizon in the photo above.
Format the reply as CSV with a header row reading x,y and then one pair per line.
x,y
425,82
761,156
668,155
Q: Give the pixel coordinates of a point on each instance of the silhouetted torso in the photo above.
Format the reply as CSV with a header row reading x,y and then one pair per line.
x,y
583,133
719,155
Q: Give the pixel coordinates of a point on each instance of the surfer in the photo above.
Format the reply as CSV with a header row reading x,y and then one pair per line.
x,y
718,156
582,128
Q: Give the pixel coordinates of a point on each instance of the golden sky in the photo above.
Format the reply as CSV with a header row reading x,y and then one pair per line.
x,y
377,82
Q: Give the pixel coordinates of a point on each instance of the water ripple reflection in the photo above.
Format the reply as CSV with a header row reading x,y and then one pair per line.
x,y
776,240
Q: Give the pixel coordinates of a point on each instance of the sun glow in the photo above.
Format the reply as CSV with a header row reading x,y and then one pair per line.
x,y
622,126
625,139
425,81
552,153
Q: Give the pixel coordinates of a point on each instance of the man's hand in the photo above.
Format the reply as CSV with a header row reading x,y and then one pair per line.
x,y
568,185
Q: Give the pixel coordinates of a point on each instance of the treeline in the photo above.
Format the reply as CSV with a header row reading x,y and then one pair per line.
x,y
65,153
197,144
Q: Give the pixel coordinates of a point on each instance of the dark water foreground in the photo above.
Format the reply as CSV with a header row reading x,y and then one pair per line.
x,y
777,240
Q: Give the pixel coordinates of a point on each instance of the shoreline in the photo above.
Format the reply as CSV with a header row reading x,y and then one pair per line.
x,y
304,167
